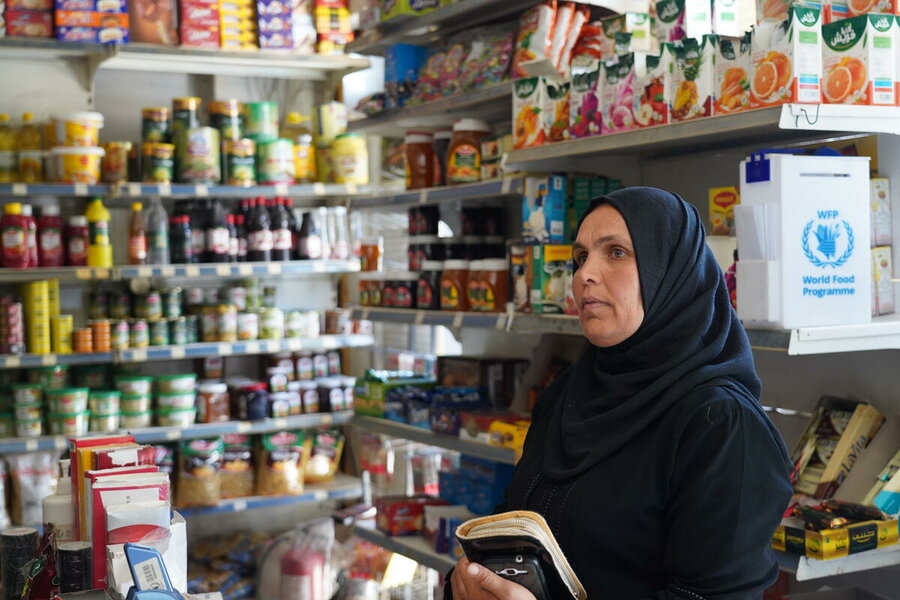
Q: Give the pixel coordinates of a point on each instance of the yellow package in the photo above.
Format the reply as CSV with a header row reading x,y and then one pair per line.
x,y
721,210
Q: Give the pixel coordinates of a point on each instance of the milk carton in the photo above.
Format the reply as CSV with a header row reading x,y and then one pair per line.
x,y
585,117
733,68
653,89
528,102
694,78
679,19
787,59
555,110
860,60
733,17
616,94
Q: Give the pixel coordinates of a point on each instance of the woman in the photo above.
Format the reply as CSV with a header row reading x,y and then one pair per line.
x,y
651,457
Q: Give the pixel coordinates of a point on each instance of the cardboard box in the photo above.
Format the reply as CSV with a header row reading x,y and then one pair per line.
x,y
200,37
199,15
834,543
159,26
882,280
520,273
693,79
653,88
779,52
555,110
733,67
108,6
528,102
585,117
370,394
39,5
860,60
616,97
21,23
93,35
544,209
877,467
880,201
733,17
70,18
721,210
498,379
551,276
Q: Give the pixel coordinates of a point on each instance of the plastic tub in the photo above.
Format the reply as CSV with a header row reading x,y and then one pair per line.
x,y
176,401
104,423
177,417
26,393
77,165
104,402
52,378
176,384
29,428
135,384
67,401
135,420
28,412
135,403
78,128
68,424
91,376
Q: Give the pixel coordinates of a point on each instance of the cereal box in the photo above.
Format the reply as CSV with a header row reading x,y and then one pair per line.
x,y
616,97
787,59
552,268
882,273
528,102
860,60
880,202
733,17
544,209
693,78
26,23
733,67
585,117
721,210
653,88
555,110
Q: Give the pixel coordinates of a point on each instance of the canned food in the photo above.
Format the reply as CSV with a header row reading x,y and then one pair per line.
x,y
275,162
172,303
157,162
135,420
159,333
194,296
120,305
104,402
271,325
82,340
99,305
210,324
100,332
240,162
199,155
61,327
178,331
248,326
193,329
294,323
211,295
237,295
114,166
30,428
155,125
225,115
120,335
227,323
27,393
260,121
131,385
138,334
254,294
185,116
148,306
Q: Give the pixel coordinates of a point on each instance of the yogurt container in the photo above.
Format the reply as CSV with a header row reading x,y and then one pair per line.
x,y
26,393
77,165
134,384
176,384
91,376
29,428
176,401
104,423
77,128
177,417
135,403
135,420
28,412
51,378
104,402
67,401
68,424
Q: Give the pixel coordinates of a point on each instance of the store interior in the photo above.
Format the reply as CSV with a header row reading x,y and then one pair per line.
x,y
287,279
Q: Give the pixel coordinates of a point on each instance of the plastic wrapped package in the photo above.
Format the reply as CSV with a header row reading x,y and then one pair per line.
x,y
198,473
535,36
451,69
33,476
236,475
489,57
302,563
325,456
280,464
428,86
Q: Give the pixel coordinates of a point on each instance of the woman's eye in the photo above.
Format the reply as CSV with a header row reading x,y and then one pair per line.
x,y
619,253
580,258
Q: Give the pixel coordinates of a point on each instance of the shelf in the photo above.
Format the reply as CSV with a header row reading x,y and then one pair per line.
x,y
60,273
426,436
806,568
15,361
344,487
203,350
151,435
489,104
416,548
883,333
767,126
310,191
470,191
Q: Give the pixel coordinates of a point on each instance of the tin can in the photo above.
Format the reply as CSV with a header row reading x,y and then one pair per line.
x,y
61,327
199,156
159,333
101,334
120,305
210,324
99,305
139,334
148,306
178,334
156,125
53,297
271,324
211,295
83,340
294,324
157,162
261,121
192,325
121,335
225,115
248,326
114,165
227,323
275,162
172,303
350,159
237,295
239,162
194,296
185,116
254,294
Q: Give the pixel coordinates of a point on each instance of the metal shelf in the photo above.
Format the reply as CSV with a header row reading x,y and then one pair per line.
x,y
60,273
490,104
15,361
151,435
309,191
80,190
415,547
343,487
806,568
426,436
508,186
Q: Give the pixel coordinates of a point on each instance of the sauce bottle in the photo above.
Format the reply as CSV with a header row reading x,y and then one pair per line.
x,y
14,226
158,252
233,246
304,150
309,240
77,239
196,210
50,244
259,234
137,236
180,237
30,157
217,235
31,243
99,252
292,225
281,230
8,162
239,223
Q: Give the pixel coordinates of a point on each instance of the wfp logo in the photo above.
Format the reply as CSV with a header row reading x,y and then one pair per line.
x,y
827,242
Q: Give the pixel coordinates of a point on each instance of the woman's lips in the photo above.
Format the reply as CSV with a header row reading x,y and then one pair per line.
x,y
590,303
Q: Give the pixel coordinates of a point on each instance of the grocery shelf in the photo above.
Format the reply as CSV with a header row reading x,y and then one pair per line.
x,y
490,103
426,436
60,273
806,568
469,191
203,350
307,191
151,435
883,333
788,122
25,190
247,269
415,547
15,361
343,487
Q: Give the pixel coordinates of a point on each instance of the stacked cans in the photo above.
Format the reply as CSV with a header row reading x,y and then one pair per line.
x,y
12,327
61,328
36,296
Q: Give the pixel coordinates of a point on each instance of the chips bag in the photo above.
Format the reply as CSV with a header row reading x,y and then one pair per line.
x,y
198,473
281,460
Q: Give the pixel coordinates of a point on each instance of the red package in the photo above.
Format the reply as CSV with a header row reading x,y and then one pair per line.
x,y
42,5
123,457
199,37
561,26
78,18
403,516
199,15
23,23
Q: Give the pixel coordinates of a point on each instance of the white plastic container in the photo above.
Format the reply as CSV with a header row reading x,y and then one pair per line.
x,y
78,128
57,509
79,164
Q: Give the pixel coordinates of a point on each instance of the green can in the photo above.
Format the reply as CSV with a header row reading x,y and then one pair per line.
x,y
185,116
192,324
139,334
148,306
120,305
156,125
159,333
178,334
199,156
239,162
261,121
172,300
275,162
99,306
121,335
157,162
225,115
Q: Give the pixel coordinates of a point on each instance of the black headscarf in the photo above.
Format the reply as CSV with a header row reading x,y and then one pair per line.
x,y
689,336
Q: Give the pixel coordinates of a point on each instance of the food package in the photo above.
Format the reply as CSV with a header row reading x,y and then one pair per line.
x,y
402,515
528,102
555,111
41,5
428,86
653,89
410,8
199,24
33,476
520,257
733,67
489,58
617,94
154,21
534,42
496,379
280,464
551,275
721,210
880,202
236,475
402,63
784,54
882,281
544,209
451,69
21,23
199,464
565,15
104,6
325,455
173,549
694,78
579,21
859,61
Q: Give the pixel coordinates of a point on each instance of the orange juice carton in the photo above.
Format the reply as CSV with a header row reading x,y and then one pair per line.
x,y
733,68
616,99
679,19
787,59
864,7
721,210
860,60
733,17
554,113
528,102
585,118
694,78
653,89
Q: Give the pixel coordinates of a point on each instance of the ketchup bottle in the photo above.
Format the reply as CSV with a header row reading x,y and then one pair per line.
x,y
15,231
50,238
31,242
77,237
259,234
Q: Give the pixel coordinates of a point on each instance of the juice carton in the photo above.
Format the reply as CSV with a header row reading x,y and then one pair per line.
x,y
679,19
864,7
787,59
611,26
860,60
834,10
653,89
528,102
640,26
544,209
693,78
616,97
721,210
880,203
733,17
733,67
585,117
554,113
882,272
552,269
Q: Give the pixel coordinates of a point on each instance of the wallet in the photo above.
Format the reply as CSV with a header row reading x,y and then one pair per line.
x,y
520,547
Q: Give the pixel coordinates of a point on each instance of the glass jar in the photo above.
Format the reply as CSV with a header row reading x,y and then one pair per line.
x,y
213,403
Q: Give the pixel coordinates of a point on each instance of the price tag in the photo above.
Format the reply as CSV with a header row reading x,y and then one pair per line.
x,y
101,274
48,360
282,189
137,355
239,506
192,271
81,189
244,427
351,188
173,434
83,274
19,189
31,445
12,361
281,423
274,269
320,495
164,189
177,351
294,344
226,349
168,271
245,270
457,320
223,270
327,419
319,189
134,190
506,185
60,443
145,271
252,347
202,191
420,317
423,196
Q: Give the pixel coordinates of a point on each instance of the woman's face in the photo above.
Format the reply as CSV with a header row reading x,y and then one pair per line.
x,y
606,285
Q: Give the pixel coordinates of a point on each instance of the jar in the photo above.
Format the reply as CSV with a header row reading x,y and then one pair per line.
x,y
371,254
305,369
135,420
157,162
155,124
104,402
248,326
251,403
405,292
135,403
419,160
295,399
159,333
331,394
494,285
227,323
237,295
225,115
193,329
114,165
138,334
121,335
375,292
178,334
278,378
454,285
464,154
148,306
473,285
362,288
104,423
348,384
337,322
350,159
309,392
209,324
211,295
441,145
275,162
294,324
213,403
194,297
320,365
279,405
428,289
334,362
271,326
172,300
388,288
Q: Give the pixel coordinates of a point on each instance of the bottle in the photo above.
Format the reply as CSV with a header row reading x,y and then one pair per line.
x,y
304,150
337,228
302,573
157,234
31,243
281,231
309,240
99,252
8,162
198,230
180,236
137,236
57,508
239,223
233,246
29,148
77,239
50,238
259,234
217,235
293,225
14,226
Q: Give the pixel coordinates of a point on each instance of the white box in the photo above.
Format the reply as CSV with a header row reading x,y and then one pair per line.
x,y
808,261
174,552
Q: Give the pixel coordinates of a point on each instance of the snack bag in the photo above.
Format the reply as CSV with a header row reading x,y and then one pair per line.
x,y
617,94
585,118
695,64
489,58
457,52
528,104
860,60
733,67
198,473
590,42
236,475
281,463
579,20
561,26
325,455
534,41
653,88
429,84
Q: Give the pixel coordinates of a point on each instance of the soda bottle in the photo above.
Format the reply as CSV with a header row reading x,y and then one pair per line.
x,y
14,226
259,234
217,234
137,236
31,243
309,240
157,234
197,211
8,162
180,236
233,245
30,157
281,231
293,225
99,252
241,228
50,237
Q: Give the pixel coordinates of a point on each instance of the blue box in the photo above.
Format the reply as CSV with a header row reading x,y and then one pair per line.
x,y
401,72
544,209
104,6
93,35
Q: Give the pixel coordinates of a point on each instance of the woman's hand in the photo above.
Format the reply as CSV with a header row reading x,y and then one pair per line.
x,y
473,582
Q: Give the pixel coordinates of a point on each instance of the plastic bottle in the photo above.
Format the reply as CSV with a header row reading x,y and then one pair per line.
x,y
337,228
281,231
240,225
137,236
29,148
57,508
293,225
304,150
99,252
50,238
157,234
77,239
233,246
31,242
197,211
180,237
14,226
217,235
8,162
302,573
259,234
309,240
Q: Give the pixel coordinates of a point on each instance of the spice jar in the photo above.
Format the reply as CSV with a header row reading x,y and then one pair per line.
x,y
213,404
309,393
454,285
494,285
464,155
419,160
320,365
428,289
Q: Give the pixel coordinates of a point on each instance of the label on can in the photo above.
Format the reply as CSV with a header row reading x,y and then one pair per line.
x,y
139,334
248,326
159,333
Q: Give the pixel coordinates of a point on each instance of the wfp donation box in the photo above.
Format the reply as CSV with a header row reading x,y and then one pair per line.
x,y
803,241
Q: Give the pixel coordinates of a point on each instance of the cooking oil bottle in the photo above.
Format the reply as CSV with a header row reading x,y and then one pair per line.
x,y
304,151
30,153
8,165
